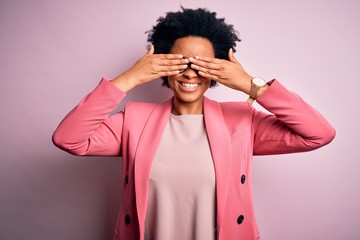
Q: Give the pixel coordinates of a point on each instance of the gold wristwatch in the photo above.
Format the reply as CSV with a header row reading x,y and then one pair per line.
x,y
256,84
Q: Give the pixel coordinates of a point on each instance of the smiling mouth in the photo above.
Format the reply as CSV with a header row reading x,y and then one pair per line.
x,y
189,85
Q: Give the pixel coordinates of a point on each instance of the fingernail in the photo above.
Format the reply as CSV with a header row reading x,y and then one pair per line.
x,y
197,57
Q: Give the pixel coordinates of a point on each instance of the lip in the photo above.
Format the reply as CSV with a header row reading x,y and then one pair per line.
x,y
188,86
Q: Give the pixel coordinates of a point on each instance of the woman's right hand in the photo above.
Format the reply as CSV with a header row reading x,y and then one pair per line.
x,y
151,66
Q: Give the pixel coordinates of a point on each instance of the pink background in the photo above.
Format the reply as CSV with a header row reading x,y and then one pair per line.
x,y
54,52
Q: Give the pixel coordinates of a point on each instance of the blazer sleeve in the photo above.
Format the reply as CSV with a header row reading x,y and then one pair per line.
x,y
88,129
294,126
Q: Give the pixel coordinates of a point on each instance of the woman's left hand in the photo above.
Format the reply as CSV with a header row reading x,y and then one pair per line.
x,y
229,73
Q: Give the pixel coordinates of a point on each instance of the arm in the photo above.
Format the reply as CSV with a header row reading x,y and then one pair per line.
x,y
88,129
295,126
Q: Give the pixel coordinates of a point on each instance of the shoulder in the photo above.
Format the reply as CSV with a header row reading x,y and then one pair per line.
x,y
232,108
236,108
140,105
136,115
238,116
137,109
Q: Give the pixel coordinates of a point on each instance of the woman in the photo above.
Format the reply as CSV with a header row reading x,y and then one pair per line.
x,y
187,161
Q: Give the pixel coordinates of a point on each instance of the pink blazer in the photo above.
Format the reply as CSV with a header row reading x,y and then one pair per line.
x,y
235,130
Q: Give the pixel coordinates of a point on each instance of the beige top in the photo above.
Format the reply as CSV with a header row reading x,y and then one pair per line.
x,y
181,198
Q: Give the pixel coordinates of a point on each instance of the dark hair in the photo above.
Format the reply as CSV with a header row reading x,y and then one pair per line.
x,y
193,22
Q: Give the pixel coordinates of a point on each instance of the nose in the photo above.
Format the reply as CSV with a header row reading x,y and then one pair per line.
x,y
189,72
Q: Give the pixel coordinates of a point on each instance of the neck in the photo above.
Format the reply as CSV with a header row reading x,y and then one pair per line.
x,y
183,108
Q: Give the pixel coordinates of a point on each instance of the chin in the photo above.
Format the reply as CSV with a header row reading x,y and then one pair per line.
x,y
191,99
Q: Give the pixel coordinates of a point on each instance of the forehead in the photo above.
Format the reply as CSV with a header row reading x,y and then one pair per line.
x,y
193,46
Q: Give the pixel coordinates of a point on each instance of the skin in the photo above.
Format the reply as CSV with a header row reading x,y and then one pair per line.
x,y
188,99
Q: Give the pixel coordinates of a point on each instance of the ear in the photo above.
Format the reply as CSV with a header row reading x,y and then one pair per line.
x,y
232,57
151,49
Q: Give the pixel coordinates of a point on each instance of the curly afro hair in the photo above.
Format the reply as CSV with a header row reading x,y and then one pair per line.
x,y
193,22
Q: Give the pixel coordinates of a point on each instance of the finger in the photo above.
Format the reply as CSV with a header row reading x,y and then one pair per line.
x,y
170,73
208,76
232,57
164,69
212,72
205,59
207,63
171,62
170,56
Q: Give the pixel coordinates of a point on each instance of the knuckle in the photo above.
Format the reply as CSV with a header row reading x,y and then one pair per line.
x,y
152,61
155,69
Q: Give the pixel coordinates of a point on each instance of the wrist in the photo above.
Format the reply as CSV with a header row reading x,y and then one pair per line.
x,y
246,86
123,82
262,90
258,87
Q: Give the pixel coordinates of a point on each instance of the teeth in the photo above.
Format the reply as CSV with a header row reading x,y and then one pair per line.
x,y
190,85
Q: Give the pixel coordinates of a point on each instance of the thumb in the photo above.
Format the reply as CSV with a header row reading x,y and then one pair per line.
x,y
232,57
151,50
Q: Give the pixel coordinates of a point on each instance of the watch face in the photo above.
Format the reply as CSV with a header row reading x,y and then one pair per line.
x,y
258,82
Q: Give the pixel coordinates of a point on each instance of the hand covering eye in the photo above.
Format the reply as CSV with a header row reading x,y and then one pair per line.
x,y
188,66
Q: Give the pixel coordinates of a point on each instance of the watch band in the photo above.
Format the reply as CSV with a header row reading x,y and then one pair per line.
x,y
256,84
254,90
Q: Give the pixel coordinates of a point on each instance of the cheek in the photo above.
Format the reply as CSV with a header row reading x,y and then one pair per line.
x,y
171,81
206,82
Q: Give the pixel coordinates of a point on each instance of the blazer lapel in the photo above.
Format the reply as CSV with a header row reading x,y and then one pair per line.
x,y
148,143
220,145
